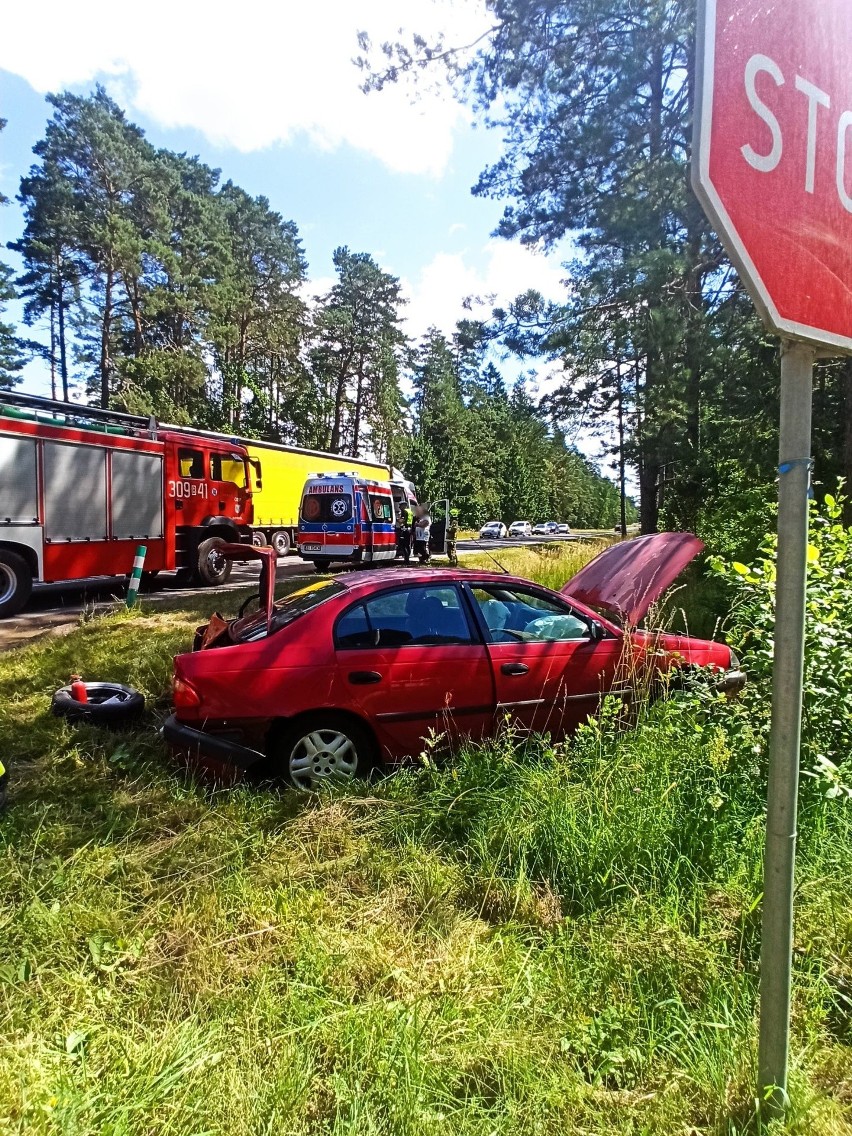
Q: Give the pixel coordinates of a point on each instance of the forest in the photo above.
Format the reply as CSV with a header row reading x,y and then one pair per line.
x,y
593,100
163,289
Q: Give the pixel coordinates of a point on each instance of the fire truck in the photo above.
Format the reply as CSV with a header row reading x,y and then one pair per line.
x,y
80,488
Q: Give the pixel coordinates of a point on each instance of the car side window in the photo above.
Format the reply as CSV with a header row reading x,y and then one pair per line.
x,y
408,617
517,615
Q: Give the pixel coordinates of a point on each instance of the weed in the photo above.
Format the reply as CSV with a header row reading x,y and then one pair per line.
x,y
533,939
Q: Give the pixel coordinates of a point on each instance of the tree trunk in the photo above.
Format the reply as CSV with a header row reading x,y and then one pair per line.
x,y
106,322
131,289
359,393
621,462
63,351
339,394
53,347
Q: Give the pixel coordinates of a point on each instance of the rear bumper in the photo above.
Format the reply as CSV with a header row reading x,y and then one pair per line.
x,y
197,743
732,682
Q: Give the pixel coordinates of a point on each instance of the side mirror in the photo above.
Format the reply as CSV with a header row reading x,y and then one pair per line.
x,y
596,630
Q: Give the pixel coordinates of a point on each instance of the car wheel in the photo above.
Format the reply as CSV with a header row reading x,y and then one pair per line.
x,y
109,704
280,541
16,582
213,568
322,749
322,565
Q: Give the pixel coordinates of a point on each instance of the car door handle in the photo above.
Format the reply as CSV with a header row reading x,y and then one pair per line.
x,y
515,669
364,678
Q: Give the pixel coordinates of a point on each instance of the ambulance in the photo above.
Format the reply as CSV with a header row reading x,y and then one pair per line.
x,y
348,518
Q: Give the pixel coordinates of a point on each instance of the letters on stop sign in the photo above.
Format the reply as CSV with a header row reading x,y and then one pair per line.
x,y
833,133
773,156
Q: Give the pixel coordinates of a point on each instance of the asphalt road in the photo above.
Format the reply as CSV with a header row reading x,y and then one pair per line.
x,y
55,608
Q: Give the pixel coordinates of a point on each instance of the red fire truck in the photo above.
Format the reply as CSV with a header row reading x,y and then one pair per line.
x,y
80,488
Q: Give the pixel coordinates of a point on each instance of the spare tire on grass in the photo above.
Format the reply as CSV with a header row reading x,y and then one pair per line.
x,y
110,704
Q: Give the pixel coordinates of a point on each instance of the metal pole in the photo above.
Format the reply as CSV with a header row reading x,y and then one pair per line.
x,y
797,361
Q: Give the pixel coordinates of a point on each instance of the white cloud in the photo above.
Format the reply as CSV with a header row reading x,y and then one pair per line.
x,y
263,72
508,269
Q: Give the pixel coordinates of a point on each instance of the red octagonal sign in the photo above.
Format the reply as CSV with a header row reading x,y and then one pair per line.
x,y
772,161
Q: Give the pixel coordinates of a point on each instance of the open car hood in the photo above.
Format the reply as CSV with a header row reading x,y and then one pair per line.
x,y
627,578
217,631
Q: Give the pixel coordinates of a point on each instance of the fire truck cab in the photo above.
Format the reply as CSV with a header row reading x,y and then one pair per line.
x,y
81,488
344,517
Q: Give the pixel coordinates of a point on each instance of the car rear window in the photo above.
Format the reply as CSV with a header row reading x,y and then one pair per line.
x,y
285,610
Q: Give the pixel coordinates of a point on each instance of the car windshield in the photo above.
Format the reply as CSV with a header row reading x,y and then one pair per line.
x,y
286,609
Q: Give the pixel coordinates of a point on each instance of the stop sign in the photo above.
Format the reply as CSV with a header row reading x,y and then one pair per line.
x,y
772,156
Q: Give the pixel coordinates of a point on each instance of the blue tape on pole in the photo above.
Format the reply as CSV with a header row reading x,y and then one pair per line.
x,y
789,466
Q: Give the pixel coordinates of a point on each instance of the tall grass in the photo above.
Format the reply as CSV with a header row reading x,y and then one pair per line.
x,y
548,564
531,939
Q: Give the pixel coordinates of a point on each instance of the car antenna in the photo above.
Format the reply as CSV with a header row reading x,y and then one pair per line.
x,y
505,571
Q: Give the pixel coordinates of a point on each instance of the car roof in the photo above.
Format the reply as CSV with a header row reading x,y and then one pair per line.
x,y
392,577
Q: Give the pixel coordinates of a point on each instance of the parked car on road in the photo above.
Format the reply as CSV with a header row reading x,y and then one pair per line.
x,y
520,528
563,530
346,675
493,530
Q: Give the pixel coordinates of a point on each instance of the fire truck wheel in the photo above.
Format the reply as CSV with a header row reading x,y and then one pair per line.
x,y
16,582
109,704
213,568
258,538
280,542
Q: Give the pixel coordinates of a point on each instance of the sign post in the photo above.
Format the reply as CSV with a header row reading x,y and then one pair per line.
x,y
772,166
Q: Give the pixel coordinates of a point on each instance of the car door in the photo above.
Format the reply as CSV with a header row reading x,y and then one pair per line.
x,y
414,661
551,663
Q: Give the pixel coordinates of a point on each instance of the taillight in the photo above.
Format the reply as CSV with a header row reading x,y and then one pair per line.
x,y
184,694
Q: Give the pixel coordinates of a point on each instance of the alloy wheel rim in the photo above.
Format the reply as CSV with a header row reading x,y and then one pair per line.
x,y
8,583
322,756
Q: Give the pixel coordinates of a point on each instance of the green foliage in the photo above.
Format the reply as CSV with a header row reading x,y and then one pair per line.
x,y
532,940
489,450
827,717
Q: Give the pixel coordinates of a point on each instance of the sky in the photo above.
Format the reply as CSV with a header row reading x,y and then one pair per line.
x,y
269,93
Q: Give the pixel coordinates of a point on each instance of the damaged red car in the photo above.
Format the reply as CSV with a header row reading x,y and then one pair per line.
x,y
345,675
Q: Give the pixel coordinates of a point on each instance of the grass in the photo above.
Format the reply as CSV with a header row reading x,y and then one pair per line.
x,y
549,564
534,939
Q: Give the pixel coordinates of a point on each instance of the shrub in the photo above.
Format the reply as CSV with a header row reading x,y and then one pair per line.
x,y
827,714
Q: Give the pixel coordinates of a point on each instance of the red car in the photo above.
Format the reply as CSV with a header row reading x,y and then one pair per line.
x,y
346,674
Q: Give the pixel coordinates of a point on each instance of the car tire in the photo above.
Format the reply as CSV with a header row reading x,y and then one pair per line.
x,y
110,704
213,570
322,748
16,582
322,565
280,541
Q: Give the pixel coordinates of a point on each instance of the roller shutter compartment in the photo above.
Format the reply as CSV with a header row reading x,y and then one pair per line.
x,y
18,484
74,492
137,496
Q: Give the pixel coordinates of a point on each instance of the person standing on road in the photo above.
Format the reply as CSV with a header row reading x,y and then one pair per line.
x,y
452,535
422,529
404,517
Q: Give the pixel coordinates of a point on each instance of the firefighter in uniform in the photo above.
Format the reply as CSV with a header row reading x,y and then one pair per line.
x,y
404,519
452,534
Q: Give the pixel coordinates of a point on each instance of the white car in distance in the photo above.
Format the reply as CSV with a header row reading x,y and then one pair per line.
x,y
493,530
520,528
